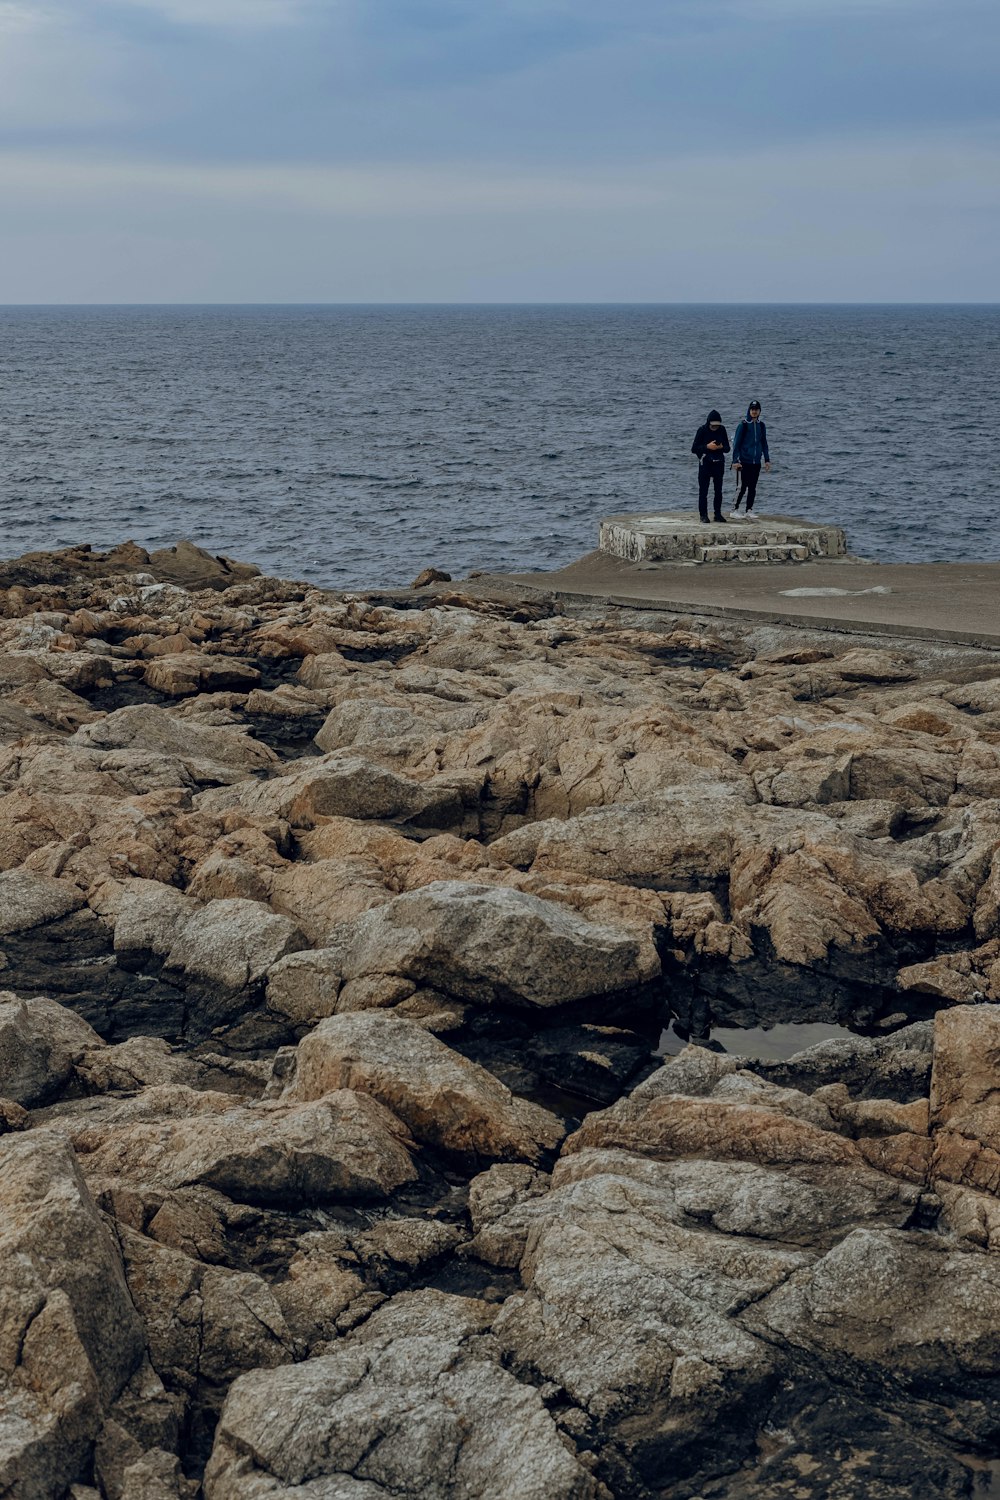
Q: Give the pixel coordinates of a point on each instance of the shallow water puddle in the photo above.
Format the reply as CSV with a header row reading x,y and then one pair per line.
x,y
780,1041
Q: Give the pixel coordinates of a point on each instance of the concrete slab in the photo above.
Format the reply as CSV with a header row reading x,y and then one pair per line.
x,y
929,601
679,536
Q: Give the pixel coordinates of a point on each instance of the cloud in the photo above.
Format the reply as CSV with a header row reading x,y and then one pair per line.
x,y
869,219
223,13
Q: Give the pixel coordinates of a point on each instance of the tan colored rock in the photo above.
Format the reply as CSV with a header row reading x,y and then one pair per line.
x,y
192,671
443,1099
29,900
232,944
70,1338
149,918
344,1145
947,978
210,754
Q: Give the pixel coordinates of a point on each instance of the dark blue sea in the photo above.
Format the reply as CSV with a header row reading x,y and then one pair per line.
x,y
355,445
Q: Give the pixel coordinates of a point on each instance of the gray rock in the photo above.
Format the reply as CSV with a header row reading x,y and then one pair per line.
x,y
413,1404
917,1322
304,986
489,943
346,784
39,1043
149,918
635,1316
232,944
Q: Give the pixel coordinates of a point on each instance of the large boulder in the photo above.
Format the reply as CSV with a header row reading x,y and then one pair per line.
x,y
231,944
39,1043
413,1405
210,753
149,917
635,1316
345,1145
443,1099
29,899
915,1323
491,944
348,784
70,1339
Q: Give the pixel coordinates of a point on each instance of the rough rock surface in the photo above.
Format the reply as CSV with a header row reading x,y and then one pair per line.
x,y
337,1155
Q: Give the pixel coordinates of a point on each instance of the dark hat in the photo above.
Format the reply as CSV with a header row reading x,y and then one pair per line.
x,y
714,416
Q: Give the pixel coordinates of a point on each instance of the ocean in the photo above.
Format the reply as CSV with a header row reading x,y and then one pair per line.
x,y
354,445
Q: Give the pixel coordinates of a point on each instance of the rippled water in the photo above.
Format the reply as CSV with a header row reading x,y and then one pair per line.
x,y
354,445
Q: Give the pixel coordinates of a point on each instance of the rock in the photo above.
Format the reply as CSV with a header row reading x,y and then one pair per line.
x,y
945,980
193,568
149,919
343,784
490,944
28,900
39,1043
71,1338
964,1108
896,1066
635,1318
413,1404
205,1324
181,674
210,754
344,1145
134,1064
156,1476
916,1322
304,986
501,1205
444,1100
429,576
735,1118
232,944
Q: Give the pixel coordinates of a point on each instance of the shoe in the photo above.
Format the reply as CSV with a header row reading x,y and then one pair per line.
x,y
718,520
736,509
703,520
735,515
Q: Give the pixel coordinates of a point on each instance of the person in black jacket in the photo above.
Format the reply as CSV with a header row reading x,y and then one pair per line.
x,y
711,444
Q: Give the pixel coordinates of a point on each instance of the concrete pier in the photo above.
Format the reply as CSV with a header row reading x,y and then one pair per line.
x,y
679,537
667,562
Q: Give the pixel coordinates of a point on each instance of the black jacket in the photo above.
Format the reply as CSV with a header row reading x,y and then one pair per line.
x,y
704,436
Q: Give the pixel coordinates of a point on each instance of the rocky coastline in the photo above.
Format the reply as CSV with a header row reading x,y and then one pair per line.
x,y
339,1159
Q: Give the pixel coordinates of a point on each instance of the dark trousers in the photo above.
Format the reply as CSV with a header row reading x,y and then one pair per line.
x,y
749,475
710,471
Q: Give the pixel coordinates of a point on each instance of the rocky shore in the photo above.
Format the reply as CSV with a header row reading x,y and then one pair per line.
x,y
338,1157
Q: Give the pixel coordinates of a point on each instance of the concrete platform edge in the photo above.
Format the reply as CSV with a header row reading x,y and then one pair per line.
x,y
986,640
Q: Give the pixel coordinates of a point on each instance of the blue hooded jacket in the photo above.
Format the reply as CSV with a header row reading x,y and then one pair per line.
x,y
750,442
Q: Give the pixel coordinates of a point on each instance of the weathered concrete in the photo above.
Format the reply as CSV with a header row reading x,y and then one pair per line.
x,y
679,536
930,601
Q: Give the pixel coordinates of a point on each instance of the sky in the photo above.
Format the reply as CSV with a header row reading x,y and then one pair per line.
x,y
499,151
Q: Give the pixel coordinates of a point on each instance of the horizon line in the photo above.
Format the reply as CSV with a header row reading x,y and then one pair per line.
x,y
530,302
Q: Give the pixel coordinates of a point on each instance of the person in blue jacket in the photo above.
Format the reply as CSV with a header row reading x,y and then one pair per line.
x,y
749,452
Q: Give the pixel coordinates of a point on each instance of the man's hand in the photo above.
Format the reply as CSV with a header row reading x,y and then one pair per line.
x,y
736,466
767,468
714,445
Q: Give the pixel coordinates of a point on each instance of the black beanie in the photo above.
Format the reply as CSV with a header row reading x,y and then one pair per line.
x,y
714,416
